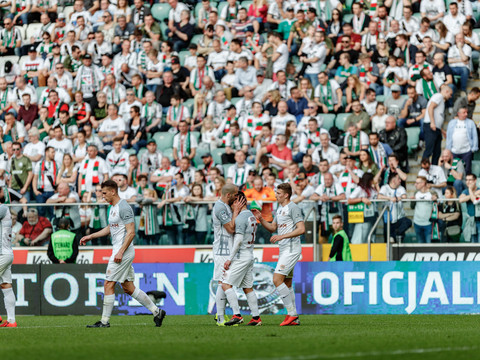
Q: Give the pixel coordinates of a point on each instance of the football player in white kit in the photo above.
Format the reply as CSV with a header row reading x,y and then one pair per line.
x,y
289,224
223,229
239,266
122,229
6,260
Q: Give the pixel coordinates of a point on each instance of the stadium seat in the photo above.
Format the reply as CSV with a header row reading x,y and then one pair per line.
x,y
141,152
131,151
168,153
328,121
348,6
196,39
189,104
163,27
380,98
246,4
217,155
197,135
32,31
221,6
160,11
235,100
182,55
67,11
12,58
340,120
213,4
225,169
476,167
347,18
39,91
413,136
198,156
164,140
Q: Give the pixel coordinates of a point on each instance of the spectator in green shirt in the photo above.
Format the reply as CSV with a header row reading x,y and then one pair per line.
x,y
286,24
21,175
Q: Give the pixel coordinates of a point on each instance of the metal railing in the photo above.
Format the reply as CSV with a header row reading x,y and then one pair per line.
x,y
311,216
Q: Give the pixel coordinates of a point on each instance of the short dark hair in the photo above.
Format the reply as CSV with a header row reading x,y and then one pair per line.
x,y
337,217
110,184
241,196
286,188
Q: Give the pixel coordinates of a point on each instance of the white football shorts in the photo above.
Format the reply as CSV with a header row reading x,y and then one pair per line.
x,y
218,270
240,274
123,271
6,269
286,263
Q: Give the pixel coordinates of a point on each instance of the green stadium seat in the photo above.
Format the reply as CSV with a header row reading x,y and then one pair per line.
x,y
196,39
168,153
347,18
328,121
217,155
131,151
197,135
380,98
160,11
340,121
235,100
189,104
413,136
221,6
476,167
182,55
164,140
39,91
141,152
246,4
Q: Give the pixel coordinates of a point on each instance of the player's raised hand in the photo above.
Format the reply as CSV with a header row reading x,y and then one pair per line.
x,y
85,239
257,214
275,238
227,264
238,205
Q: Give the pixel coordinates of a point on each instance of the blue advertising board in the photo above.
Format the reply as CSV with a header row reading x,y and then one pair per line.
x,y
320,288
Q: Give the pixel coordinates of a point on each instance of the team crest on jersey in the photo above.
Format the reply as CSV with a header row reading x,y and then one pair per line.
x,y
224,216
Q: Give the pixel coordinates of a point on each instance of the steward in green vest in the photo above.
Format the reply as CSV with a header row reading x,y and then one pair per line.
x,y
341,245
63,246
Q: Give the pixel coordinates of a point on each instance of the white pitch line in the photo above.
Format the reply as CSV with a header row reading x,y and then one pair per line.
x,y
373,353
74,326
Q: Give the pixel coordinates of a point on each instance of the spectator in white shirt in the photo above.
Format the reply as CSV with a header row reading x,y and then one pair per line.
x,y
280,53
459,56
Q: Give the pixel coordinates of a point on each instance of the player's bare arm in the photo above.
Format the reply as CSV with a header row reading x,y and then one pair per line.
x,y
299,230
271,227
104,232
128,240
236,208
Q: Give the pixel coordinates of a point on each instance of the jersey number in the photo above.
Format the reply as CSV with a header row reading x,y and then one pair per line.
x,y
254,231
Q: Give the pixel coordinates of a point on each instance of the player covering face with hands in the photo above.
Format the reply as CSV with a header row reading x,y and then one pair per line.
x,y
122,229
289,225
239,266
224,214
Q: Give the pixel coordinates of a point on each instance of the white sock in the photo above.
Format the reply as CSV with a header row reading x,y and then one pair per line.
x,y
145,300
233,300
292,296
253,303
108,301
284,292
9,298
221,301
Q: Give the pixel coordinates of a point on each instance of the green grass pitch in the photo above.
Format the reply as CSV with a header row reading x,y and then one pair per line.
x,y
197,337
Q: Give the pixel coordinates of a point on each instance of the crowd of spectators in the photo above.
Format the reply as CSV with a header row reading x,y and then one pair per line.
x,y
173,100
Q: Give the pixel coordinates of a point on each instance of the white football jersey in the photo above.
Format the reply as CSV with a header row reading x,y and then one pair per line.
x,y
120,215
